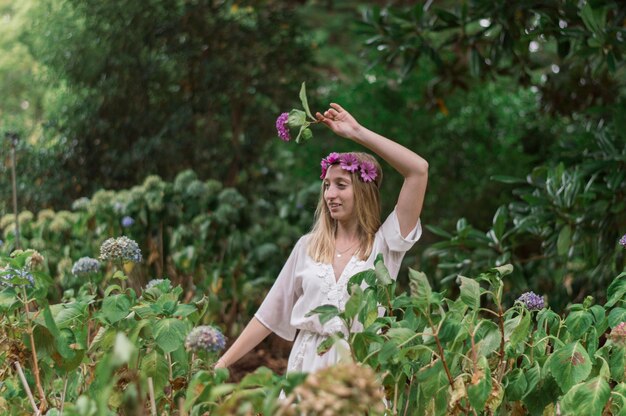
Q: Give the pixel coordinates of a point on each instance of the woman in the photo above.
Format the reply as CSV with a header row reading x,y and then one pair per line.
x,y
346,237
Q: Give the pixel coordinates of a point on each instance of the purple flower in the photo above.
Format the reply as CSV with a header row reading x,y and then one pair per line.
x,y
531,301
368,171
127,221
205,338
349,162
618,334
622,240
325,165
332,158
281,127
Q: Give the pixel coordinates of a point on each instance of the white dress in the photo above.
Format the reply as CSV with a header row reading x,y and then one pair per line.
x,y
304,284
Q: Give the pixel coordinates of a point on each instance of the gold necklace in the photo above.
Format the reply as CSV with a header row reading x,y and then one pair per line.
x,y
340,253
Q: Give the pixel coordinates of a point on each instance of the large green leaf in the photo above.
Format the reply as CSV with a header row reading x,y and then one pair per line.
x,y
569,365
305,102
480,386
564,239
170,334
420,288
470,292
115,307
578,322
616,290
155,365
587,399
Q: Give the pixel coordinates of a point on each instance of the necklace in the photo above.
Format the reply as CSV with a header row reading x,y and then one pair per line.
x,y
340,253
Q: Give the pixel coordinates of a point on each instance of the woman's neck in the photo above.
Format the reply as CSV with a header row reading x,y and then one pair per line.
x,y
347,231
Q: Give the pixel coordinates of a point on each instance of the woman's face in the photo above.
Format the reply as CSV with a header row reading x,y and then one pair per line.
x,y
339,193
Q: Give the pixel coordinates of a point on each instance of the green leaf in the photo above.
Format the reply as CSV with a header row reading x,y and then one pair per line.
x,y
616,316
296,119
616,290
470,292
170,334
518,327
569,365
400,335
420,288
61,340
382,274
480,387
563,241
302,133
353,305
183,309
325,313
616,363
578,323
155,365
504,269
516,385
499,222
587,399
116,307
305,102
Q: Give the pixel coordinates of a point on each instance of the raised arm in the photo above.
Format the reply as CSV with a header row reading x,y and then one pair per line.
x,y
411,166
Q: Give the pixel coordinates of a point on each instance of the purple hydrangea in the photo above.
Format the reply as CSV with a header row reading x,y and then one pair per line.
x,y
622,240
85,266
532,301
127,221
618,334
205,338
282,128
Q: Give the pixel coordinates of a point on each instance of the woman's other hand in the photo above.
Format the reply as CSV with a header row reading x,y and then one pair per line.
x,y
340,121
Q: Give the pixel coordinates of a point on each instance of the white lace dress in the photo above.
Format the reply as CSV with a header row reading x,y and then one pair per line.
x,y
304,284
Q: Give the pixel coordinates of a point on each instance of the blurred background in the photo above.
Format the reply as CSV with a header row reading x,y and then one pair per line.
x,y
155,119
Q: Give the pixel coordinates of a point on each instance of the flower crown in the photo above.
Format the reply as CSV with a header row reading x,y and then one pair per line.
x,y
349,162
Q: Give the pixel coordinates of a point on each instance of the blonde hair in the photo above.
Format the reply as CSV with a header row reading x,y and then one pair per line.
x,y
366,209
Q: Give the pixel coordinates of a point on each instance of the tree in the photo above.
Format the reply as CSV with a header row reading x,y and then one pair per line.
x,y
161,85
572,51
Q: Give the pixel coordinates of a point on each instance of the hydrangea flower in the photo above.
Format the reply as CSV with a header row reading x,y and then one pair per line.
x,y
281,127
81,204
618,334
85,266
622,240
127,221
9,273
349,162
368,171
205,338
121,248
531,301
345,388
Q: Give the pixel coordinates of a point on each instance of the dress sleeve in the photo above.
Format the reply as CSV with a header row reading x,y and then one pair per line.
x,y
275,311
391,233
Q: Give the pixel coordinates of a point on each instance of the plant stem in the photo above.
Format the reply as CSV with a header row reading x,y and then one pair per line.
x,y
440,349
42,395
63,394
26,387
502,365
153,410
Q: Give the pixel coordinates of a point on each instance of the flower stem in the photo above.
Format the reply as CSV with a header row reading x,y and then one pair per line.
x,y
42,395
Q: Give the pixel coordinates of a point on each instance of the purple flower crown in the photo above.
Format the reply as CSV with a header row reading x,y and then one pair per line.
x,y
349,162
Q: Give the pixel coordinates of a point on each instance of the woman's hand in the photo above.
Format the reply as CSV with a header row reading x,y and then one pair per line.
x,y
340,121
